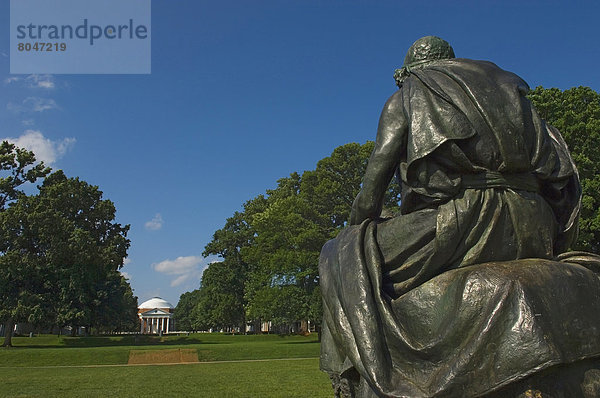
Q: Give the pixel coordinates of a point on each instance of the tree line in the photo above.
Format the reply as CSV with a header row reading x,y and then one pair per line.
x,y
60,251
270,249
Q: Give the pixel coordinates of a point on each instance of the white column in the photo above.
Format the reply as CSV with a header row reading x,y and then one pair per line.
x,y
141,325
167,325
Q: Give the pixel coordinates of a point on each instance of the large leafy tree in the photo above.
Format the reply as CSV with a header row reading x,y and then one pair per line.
x,y
19,278
90,252
114,308
220,298
335,182
576,113
272,247
25,289
61,254
227,243
302,213
283,305
184,309
289,235
17,167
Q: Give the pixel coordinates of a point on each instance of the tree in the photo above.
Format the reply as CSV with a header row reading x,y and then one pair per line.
x,y
272,247
228,243
17,167
282,305
184,309
114,308
220,298
576,113
300,215
61,255
27,232
90,252
290,234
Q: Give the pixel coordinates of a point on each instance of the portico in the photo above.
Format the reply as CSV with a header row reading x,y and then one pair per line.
x,y
155,316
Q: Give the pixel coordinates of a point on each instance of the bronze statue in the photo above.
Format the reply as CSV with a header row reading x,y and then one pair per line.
x,y
466,292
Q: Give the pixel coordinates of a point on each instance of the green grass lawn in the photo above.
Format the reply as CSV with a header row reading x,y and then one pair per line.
x,y
52,351
35,367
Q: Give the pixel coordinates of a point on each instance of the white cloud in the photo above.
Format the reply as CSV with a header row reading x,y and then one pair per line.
x,y
155,224
44,149
38,104
126,261
183,268
180,265
41,81
34,81
126,275
12,79
33,104
180,279
28,122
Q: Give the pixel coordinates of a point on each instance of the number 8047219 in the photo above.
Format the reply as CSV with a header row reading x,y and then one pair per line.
x,y
37,46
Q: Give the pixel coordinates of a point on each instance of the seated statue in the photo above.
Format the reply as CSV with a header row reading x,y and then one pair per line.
x,y
468,292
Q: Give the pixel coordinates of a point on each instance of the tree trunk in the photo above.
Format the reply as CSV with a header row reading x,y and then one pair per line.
x,y
304,329
9,327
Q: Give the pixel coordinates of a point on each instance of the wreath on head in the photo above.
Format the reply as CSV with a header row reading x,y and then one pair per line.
x,y
423,52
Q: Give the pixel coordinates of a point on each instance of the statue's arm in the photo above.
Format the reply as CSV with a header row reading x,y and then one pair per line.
x,y
389,145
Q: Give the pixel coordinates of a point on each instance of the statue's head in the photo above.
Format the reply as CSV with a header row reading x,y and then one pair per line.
x,y
428,48
421,53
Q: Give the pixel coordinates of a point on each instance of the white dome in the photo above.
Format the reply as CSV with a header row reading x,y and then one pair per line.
x,y
156,302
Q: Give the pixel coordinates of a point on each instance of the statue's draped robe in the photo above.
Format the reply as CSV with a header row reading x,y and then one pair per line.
x,y
408,308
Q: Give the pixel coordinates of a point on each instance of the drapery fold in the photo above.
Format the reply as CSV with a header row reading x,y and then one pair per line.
x,y
466,332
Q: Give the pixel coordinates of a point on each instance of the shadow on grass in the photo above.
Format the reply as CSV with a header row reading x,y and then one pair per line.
x,y
132,341
54,341
302,342
107,341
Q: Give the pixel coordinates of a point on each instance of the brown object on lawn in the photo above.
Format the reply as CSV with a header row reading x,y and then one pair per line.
x,y
180,355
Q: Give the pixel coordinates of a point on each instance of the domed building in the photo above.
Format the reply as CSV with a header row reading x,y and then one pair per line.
x,y
155,316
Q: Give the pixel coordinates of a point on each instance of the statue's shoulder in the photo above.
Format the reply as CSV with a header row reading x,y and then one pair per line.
x,y
394,104
472,70
468,65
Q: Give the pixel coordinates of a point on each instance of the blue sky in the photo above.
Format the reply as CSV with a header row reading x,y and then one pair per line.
x,y
243,93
